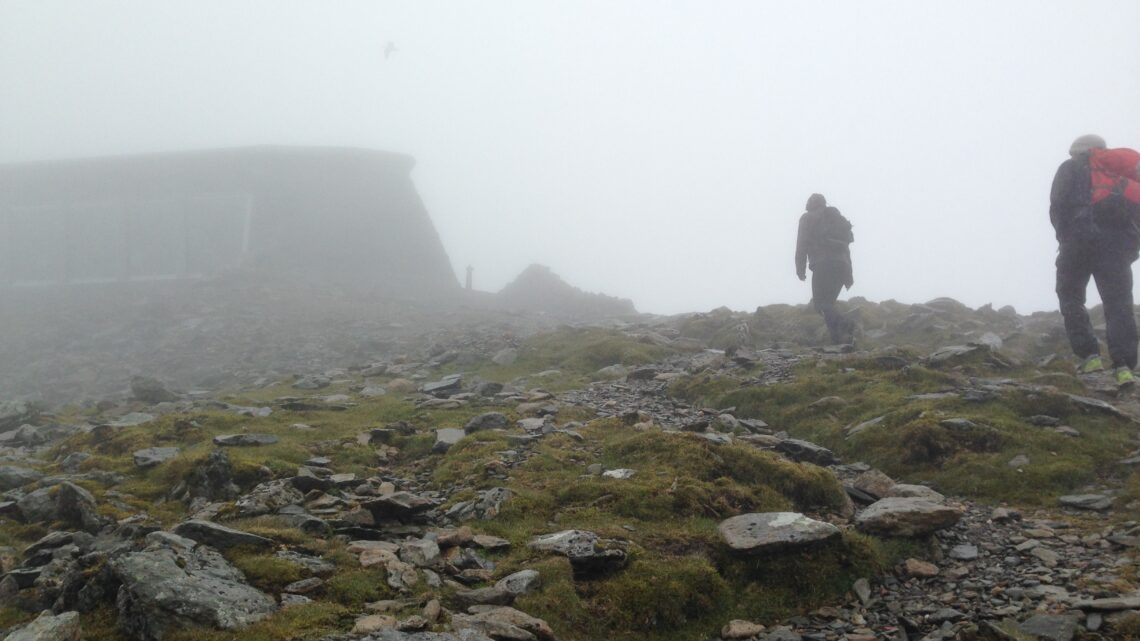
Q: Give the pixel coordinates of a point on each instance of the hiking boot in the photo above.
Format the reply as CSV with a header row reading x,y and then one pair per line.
x,y
1090,365
1124,377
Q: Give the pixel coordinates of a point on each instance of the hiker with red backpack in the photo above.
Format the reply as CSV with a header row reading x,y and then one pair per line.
x,y
822,243
1095,210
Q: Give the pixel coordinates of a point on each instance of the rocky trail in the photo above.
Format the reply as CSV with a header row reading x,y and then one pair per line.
x,y
416,497
993,565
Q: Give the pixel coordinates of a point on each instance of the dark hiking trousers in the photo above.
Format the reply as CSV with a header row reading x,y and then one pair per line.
x,y
826,283
1112,272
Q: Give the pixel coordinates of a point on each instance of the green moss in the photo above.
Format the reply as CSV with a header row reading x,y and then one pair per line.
x,y
911,444
663,594
773,586
307,622
354,588
267,572
588,350
12,617
467,461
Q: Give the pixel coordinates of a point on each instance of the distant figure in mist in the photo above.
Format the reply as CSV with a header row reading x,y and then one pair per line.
x,y
1094,206
389,49
823,245
469,270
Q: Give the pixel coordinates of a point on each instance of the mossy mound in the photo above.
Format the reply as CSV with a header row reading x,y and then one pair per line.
x,y
680,582
938,426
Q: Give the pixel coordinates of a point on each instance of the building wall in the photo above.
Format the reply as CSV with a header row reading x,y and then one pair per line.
x,y
349,215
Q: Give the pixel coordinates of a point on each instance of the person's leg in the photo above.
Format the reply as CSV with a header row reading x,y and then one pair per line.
x,y
826,283
1113,274
1073,272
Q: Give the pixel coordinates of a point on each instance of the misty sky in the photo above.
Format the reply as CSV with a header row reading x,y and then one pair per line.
x,y
660,151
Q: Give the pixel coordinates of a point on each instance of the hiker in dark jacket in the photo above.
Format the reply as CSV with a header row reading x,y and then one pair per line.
x,y
1093,243
822,246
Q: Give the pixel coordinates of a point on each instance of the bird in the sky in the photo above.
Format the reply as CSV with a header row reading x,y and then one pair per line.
x,y
389,49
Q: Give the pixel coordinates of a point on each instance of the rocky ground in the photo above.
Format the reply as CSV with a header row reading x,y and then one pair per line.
x,y
482,476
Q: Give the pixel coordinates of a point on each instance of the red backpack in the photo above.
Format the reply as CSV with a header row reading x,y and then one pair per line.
x,y
1115,172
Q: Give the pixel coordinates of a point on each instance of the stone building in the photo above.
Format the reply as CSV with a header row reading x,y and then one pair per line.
x,y
343,215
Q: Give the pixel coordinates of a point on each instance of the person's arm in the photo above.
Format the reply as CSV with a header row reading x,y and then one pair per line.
x,y
1060,196
801,249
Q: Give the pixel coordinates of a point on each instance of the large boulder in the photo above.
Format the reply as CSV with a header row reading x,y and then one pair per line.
x,y
906,516
212,480
12,477
65,502
174,584
15,413
76,507
760,533
151,390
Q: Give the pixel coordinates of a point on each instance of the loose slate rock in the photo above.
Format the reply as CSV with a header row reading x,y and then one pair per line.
x,y
443,386
1112,604
964,552
220,536
521,582
1087,501
903,516
806,451
488,421
759,533
153,456
245,439
398,504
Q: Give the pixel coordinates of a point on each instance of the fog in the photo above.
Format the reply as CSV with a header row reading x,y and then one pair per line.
x,y
660,152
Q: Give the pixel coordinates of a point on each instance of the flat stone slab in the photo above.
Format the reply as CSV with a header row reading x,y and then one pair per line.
x,y
219,536
916,491
237,440
1086,402
445,437
806,452
1095,502
398,504
759,533
153,456
906,516
1111,604
132,419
